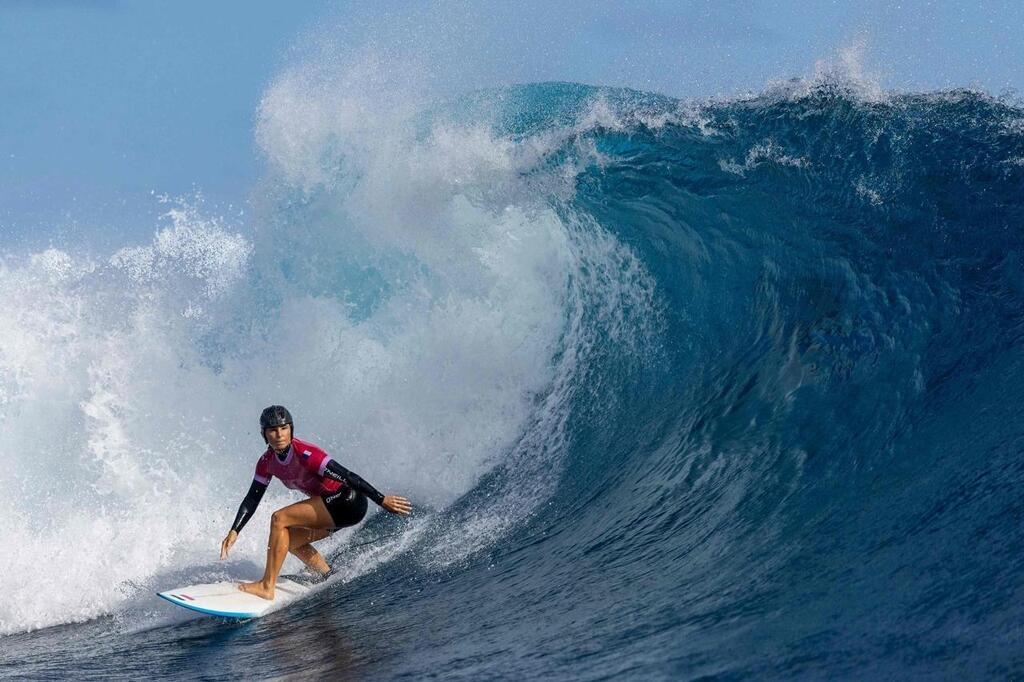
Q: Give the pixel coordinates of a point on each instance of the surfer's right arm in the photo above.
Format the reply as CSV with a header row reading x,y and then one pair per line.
x,y
260,481
249,504
245,512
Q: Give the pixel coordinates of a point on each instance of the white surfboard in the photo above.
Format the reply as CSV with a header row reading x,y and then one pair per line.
x,y
227,601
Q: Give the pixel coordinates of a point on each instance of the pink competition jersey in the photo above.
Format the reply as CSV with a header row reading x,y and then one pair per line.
x,y
302,469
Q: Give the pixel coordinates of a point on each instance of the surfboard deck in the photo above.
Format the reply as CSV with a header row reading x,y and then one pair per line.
x,y
227,601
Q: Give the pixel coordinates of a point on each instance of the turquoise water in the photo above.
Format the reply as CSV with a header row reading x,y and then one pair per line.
x,y
679,390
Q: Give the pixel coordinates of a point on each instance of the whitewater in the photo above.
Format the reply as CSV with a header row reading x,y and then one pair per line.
x,y
678,388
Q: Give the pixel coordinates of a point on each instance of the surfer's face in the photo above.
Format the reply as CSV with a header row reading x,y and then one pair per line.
x,y
279,437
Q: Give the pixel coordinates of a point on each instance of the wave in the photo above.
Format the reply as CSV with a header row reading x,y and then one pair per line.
x,y
736,381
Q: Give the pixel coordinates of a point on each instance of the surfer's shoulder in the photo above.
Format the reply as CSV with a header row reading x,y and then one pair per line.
x,y
308,452
302,446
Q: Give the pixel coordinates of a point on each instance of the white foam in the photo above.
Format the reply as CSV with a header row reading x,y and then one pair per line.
x,y
131,382
767,151
846,69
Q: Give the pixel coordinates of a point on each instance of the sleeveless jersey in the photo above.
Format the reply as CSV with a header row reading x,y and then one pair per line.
x,y
301,469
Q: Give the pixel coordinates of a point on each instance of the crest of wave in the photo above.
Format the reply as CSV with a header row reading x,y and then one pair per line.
x,y
847,70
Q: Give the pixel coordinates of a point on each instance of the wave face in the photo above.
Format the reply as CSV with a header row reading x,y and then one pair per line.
x,y
680,390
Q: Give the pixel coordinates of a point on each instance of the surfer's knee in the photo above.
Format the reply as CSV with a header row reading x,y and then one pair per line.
x,y
279,520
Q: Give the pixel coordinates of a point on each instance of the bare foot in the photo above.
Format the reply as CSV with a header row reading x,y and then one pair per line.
x,y
258,588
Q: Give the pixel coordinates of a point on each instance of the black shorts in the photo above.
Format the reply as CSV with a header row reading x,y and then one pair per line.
x,y
347,507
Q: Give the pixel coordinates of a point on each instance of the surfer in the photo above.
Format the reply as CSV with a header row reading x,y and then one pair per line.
x,y
337,499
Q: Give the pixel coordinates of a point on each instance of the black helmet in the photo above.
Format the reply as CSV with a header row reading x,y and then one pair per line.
x,y
275,415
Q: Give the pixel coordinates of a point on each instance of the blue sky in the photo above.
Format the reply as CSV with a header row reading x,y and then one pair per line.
x,y
102,102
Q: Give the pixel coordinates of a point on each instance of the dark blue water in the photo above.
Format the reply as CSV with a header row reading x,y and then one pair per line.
x,y
800,456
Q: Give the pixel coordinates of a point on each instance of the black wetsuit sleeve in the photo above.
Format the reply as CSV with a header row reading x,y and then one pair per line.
x,y
248,506
340,473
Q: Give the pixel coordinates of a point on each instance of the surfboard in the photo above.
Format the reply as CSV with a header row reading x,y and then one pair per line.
x,y
227,601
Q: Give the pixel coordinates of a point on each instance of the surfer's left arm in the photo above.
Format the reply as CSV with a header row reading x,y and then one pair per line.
x,y
393,503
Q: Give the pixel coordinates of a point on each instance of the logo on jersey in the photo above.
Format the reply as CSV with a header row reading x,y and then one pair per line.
x,y
306,454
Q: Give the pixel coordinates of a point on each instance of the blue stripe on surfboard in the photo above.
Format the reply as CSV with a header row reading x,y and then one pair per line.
x,y
209,612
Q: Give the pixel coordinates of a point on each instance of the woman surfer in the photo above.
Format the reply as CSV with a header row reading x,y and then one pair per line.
x,y
337,499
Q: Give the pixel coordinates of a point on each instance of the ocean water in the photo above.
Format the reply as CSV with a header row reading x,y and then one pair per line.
x,y
720,389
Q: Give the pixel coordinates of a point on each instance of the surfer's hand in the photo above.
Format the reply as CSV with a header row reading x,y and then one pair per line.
x,y
225,545
396,505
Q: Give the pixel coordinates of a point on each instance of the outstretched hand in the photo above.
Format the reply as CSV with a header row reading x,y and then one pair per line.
x,y
397,505
227,542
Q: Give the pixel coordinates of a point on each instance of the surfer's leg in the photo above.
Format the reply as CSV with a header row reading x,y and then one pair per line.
x,y
299,544
309,513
